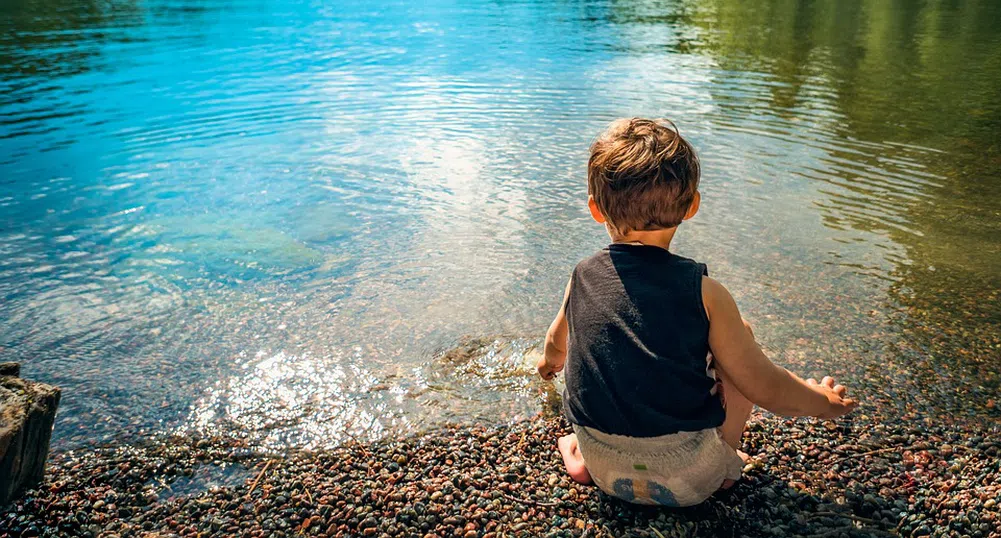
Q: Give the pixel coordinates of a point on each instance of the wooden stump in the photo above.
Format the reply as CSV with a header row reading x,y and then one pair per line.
x,y
27,411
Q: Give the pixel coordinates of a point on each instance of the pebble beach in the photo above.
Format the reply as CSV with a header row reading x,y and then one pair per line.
x,y
288,261
806,478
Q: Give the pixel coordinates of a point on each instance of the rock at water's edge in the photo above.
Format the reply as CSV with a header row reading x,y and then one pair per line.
x,y
27,411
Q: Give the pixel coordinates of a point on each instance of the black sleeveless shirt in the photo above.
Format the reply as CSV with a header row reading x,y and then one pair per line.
x,y
639,340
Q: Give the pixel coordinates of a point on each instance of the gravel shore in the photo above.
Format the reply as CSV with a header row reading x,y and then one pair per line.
x,y
807,478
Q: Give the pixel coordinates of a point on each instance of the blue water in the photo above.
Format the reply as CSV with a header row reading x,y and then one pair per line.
x,y
275,217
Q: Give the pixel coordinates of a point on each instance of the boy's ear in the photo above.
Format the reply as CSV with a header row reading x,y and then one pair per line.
x,y
595,212
694,208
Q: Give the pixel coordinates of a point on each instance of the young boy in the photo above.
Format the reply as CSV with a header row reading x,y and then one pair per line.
x,y
661,370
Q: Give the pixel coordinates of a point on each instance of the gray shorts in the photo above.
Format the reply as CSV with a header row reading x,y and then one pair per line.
x,y
680,469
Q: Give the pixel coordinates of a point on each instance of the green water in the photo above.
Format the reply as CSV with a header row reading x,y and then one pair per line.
x,y
902,76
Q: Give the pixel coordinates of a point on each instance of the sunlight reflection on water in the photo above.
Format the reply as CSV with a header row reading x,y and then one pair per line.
x,y
280,218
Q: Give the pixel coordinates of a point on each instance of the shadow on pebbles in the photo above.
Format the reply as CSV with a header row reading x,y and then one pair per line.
x,y
807,478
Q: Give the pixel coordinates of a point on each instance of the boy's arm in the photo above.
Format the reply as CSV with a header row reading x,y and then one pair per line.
x,y
759,379
555,352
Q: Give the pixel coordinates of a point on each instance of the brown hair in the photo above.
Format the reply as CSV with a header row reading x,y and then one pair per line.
x,y
642,174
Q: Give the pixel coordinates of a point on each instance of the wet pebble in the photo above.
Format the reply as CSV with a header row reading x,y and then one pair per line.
x,y
479,482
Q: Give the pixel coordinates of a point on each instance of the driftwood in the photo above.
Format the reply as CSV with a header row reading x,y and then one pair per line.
x,y
27,411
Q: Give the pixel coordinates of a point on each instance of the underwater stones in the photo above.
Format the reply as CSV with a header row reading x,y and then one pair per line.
x,y
27,411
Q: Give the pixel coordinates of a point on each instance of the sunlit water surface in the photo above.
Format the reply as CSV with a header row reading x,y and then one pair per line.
x,y
275,218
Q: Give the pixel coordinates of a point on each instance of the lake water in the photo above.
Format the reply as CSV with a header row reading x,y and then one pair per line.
x,y
275,217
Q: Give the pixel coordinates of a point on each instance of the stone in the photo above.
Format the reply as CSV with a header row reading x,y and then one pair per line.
x,y
27,412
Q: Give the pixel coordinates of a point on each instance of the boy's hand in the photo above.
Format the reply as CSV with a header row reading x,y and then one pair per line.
x,y
546,370
839,405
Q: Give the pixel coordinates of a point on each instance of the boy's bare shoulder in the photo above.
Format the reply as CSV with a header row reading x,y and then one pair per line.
x,y
711,286
715,296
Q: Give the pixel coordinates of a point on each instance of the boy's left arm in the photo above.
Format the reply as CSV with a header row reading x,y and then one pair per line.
x,y
555,352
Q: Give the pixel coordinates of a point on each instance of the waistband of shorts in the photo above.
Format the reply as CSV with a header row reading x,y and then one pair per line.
x,y
671,445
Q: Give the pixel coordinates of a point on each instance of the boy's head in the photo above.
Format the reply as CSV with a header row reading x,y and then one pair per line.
x,y
642,175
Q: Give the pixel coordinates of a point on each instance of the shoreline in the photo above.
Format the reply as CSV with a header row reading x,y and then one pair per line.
x,y
807,478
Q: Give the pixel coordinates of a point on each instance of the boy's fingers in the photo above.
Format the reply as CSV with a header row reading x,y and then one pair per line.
x,y
840,390
811,381
828,381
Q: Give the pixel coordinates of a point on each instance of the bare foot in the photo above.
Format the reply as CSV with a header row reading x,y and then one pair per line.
x,y
572,459
727,484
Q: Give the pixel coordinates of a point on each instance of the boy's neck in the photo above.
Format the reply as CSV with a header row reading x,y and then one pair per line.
x,y
654,238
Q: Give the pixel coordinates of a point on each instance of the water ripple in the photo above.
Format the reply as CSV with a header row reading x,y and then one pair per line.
x,y
280,217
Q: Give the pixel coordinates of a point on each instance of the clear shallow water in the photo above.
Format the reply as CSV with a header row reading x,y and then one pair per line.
x,y
278,216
